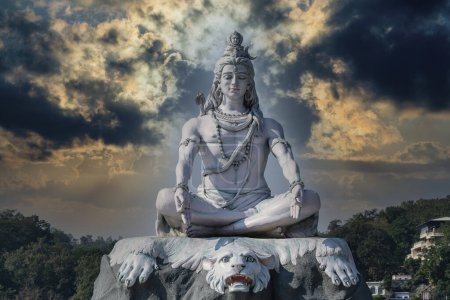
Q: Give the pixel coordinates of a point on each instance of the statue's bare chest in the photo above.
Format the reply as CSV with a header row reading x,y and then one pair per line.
x,y
212,137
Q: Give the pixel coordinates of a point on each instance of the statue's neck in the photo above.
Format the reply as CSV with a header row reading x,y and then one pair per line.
x,y
232,106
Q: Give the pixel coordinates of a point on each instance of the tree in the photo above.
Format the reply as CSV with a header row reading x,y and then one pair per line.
x,y
436,265
88,257
16,230
372,246
87,269
42,271
334,225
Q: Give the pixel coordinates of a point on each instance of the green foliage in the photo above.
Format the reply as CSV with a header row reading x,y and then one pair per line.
x,y
88,254
436,265
381,240
16,230
371,245
40,262
43,270
87,269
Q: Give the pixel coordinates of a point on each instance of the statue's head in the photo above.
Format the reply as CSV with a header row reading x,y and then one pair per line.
x,y
235,55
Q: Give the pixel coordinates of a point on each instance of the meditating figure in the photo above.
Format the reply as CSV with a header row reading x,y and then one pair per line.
x,y
234,141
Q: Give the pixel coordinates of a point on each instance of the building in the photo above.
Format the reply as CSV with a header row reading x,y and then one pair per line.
x,y
376,288
399,281
400,296
429,234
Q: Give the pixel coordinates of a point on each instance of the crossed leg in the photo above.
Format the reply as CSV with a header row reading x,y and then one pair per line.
x,y
271,214
202,212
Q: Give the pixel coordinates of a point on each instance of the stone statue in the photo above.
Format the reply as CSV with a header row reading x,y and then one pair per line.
x,y
233,200
234,141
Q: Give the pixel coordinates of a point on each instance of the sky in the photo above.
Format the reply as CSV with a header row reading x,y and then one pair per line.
x,y
93,94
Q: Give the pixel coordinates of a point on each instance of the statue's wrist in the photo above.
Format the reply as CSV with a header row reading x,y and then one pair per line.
x,y
183,186
295,183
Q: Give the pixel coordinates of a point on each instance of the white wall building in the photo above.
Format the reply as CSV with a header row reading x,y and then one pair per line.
x,y
376,288
400,296
429,234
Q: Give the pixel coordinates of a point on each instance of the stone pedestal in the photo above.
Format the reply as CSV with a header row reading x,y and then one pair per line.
x,y
303,268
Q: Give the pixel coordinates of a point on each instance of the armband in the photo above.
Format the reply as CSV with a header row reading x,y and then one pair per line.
x,y
280,140
186,141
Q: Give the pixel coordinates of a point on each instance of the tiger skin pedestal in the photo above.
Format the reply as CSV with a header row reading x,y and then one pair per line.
x,y
230,268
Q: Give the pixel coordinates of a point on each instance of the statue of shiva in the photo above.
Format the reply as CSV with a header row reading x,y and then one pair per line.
x,y
234,141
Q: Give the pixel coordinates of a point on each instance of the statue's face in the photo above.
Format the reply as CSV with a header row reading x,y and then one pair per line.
x,y
234,81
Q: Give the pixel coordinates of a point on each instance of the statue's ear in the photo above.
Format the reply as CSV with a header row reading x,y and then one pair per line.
x,y
208,263
269,261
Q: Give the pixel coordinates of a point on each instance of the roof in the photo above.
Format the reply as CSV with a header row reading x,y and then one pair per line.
x,y
438,220
444,219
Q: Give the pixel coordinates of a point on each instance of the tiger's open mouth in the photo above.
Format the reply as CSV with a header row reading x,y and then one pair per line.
x,y
238,279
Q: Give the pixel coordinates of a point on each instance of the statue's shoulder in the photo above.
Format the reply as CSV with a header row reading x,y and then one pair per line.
x,y
194,125
191,126
272,125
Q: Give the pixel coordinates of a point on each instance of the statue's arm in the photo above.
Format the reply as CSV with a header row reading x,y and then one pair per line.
x,y
188,149
186,155
282,150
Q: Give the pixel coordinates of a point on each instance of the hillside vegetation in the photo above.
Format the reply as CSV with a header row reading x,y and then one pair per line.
x,y
381,240
38,261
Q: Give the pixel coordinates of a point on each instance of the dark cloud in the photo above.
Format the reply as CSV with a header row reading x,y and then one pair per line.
x,y
121,66
267,13
121,122
190,82
423,151
25,109
398,49
401,51
305,5
29,44
153,52
110,37
308,59
378,167
296,118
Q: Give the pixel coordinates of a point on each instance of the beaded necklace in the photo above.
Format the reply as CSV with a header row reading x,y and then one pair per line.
x,y
239,122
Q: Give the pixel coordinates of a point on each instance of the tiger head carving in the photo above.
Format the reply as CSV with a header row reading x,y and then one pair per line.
x,y
238,269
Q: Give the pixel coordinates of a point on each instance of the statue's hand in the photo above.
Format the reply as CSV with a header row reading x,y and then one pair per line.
x,y
297,201
183,205
134,266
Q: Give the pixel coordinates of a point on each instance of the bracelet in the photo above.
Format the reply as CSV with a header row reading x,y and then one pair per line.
x,y
294,183
183,186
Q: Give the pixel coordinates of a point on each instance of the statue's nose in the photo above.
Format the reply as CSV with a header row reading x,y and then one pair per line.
x,y
238,267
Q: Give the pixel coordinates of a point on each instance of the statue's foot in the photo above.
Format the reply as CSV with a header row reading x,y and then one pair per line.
x,y
196,231
279,232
